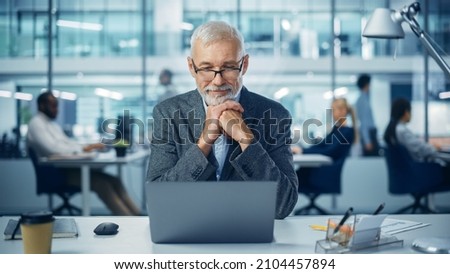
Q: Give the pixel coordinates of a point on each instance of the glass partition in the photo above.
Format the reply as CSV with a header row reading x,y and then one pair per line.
x,y
112,27
98,45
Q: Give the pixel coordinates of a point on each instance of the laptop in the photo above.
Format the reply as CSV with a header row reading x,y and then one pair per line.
x,y
211,212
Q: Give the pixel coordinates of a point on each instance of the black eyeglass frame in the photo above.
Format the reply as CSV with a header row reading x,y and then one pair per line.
x,y
196,69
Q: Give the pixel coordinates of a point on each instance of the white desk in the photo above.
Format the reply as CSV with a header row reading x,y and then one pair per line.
x,y
312,160
292,236
100,161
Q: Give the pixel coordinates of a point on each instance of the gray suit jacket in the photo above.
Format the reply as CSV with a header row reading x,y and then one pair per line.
x,y
175,156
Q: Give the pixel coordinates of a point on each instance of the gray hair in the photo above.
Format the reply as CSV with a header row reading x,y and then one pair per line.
x,y
214,31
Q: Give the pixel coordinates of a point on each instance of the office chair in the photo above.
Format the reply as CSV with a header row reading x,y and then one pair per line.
x,y
317,181
51,181
417,179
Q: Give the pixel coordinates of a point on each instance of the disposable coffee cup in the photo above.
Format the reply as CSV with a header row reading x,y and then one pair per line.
x,y
37,231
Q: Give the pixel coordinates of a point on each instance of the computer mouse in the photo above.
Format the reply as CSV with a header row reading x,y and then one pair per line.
x,y
106,228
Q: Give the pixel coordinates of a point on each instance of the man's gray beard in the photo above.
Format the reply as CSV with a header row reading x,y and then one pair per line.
x,y
214,101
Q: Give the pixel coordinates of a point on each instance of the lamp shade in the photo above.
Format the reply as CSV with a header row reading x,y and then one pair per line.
x,y
383,25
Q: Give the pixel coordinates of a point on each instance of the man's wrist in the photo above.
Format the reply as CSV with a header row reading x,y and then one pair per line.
x,y
246,141
204,146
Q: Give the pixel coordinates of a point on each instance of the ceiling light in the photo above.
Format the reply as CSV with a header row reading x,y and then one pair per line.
x,y
79,25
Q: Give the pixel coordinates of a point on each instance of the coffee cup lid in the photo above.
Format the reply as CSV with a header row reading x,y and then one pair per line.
x,y
37,217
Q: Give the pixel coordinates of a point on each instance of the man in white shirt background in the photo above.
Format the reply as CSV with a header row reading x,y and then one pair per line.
x,y
47,138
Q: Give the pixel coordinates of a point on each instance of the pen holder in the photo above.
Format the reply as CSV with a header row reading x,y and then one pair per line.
x,y
343,234
356,234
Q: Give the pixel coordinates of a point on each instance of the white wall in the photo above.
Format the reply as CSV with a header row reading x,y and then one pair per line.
x,y
380,100
167,26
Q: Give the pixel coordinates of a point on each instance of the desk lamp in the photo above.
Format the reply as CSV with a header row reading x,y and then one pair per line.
x,y
387,24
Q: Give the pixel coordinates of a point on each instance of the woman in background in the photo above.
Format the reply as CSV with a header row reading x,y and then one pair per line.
x,y
338,141
397,133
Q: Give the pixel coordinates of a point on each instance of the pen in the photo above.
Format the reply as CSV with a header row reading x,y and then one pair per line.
x,y
347,214
379,209
319,227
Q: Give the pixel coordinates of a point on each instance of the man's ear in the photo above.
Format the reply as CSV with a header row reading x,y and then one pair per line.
x,y
191,66
245,65
41,107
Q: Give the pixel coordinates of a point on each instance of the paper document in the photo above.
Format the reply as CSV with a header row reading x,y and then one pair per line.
x,y
367,228
394,226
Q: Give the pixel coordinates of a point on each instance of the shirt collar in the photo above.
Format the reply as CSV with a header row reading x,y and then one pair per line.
x,y
43,116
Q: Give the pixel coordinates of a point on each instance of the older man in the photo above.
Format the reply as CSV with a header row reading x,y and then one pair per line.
x,y
222,131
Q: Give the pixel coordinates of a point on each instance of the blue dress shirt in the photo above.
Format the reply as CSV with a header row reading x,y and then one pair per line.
x,y
365,117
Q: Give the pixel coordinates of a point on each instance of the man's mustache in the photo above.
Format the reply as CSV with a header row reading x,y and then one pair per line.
x,y
214,88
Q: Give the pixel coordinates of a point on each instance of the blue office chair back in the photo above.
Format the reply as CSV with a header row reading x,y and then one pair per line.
x,y
409,176
49,179
321,180
327,179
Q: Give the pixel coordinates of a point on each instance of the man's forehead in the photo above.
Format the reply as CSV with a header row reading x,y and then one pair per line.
x,y
219,51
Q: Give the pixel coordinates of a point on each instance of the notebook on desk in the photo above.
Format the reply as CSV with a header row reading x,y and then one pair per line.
x,y
62,228
211,212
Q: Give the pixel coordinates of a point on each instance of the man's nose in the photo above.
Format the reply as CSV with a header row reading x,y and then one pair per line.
x,y
218,79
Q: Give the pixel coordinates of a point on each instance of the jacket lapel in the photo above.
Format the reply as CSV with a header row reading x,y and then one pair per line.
x,y
196,115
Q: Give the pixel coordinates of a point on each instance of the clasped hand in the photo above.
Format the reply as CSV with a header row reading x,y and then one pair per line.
x,y
226,118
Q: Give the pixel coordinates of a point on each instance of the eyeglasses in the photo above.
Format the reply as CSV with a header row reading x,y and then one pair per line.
x,y
227,73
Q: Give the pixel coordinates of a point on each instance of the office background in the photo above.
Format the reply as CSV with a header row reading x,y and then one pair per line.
x,y
105,58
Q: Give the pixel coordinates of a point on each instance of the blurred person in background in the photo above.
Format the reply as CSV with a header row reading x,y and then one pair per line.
x,y
397,133
337,143
367,129
46,138
166,87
